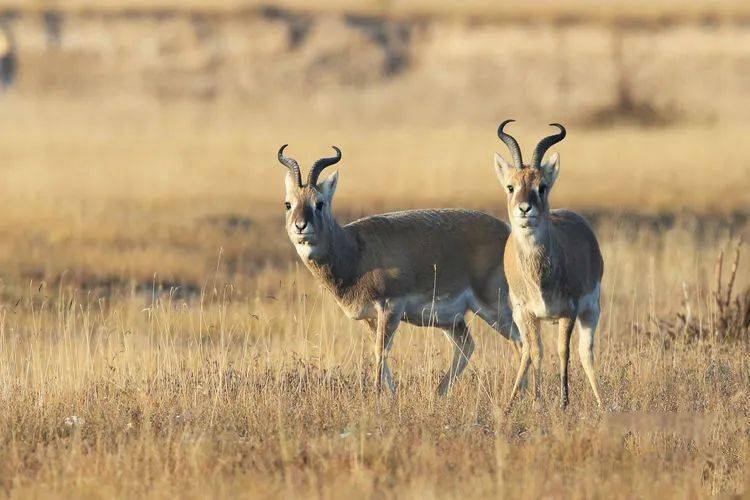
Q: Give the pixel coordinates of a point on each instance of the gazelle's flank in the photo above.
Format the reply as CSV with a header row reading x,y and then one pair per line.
x,y
552,261
425,267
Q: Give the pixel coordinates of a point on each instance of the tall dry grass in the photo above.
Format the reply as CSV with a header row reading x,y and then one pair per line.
x,y
159,338
267,391
120,191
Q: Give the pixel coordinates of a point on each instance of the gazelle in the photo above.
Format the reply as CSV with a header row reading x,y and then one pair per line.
x,y
552,261
424,267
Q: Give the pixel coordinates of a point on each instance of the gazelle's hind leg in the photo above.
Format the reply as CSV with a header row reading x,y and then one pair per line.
x,y
503,324
463,348
565,329
587,322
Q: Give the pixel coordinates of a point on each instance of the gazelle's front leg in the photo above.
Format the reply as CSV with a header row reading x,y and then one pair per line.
x,y
385,329
528,328
535,339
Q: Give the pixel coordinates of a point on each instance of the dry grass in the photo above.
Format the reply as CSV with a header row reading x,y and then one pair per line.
x,y
267,391
158,337
729,320
126,190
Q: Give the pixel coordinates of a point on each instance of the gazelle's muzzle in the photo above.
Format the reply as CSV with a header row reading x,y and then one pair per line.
x,y
525,209
301,228
302,232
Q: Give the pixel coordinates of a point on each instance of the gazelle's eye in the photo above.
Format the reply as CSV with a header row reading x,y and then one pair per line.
x,y
288,205
510,189
319,206
542,190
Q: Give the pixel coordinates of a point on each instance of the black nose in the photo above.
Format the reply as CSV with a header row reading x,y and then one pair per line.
x,y
300,225
525,207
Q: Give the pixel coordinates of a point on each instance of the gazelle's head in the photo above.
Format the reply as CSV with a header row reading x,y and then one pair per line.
x,y
528,186
309,219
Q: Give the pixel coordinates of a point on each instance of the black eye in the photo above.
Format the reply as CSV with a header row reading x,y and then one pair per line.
x,y
542,189
510,189
288,205
319,206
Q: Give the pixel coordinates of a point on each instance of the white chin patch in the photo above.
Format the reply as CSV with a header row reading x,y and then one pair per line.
x,y
305,250
526,230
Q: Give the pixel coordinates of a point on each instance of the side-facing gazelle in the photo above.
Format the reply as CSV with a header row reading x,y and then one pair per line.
x,y
425,267
552,261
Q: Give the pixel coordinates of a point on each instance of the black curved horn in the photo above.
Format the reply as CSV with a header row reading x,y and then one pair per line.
x,y
291,164
511,143
319,165
545,144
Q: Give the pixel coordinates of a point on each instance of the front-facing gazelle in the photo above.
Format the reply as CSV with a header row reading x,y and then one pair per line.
x,y
552,261
425,267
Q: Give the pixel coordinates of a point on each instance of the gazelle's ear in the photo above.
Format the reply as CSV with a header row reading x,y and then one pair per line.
x,y
328,186
551,168
290,183
502,169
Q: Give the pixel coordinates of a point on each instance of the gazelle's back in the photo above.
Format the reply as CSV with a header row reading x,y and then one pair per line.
x,y
437,250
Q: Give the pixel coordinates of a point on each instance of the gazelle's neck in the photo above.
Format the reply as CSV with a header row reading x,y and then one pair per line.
x,y
538,250
538,241
337,265
538,256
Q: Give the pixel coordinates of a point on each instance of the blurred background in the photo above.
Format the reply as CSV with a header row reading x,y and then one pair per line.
x,y
141,137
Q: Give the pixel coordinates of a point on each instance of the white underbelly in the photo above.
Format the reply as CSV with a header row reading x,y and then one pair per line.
x,y
438,310
420,309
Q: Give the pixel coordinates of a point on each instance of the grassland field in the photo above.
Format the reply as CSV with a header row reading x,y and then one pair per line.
x,y
158,336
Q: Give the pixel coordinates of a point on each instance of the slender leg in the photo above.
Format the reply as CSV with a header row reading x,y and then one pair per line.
x,y
463,347
387,375
515,339
565,330
536,357
517,344
528,327
507,328
385,329
587,322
